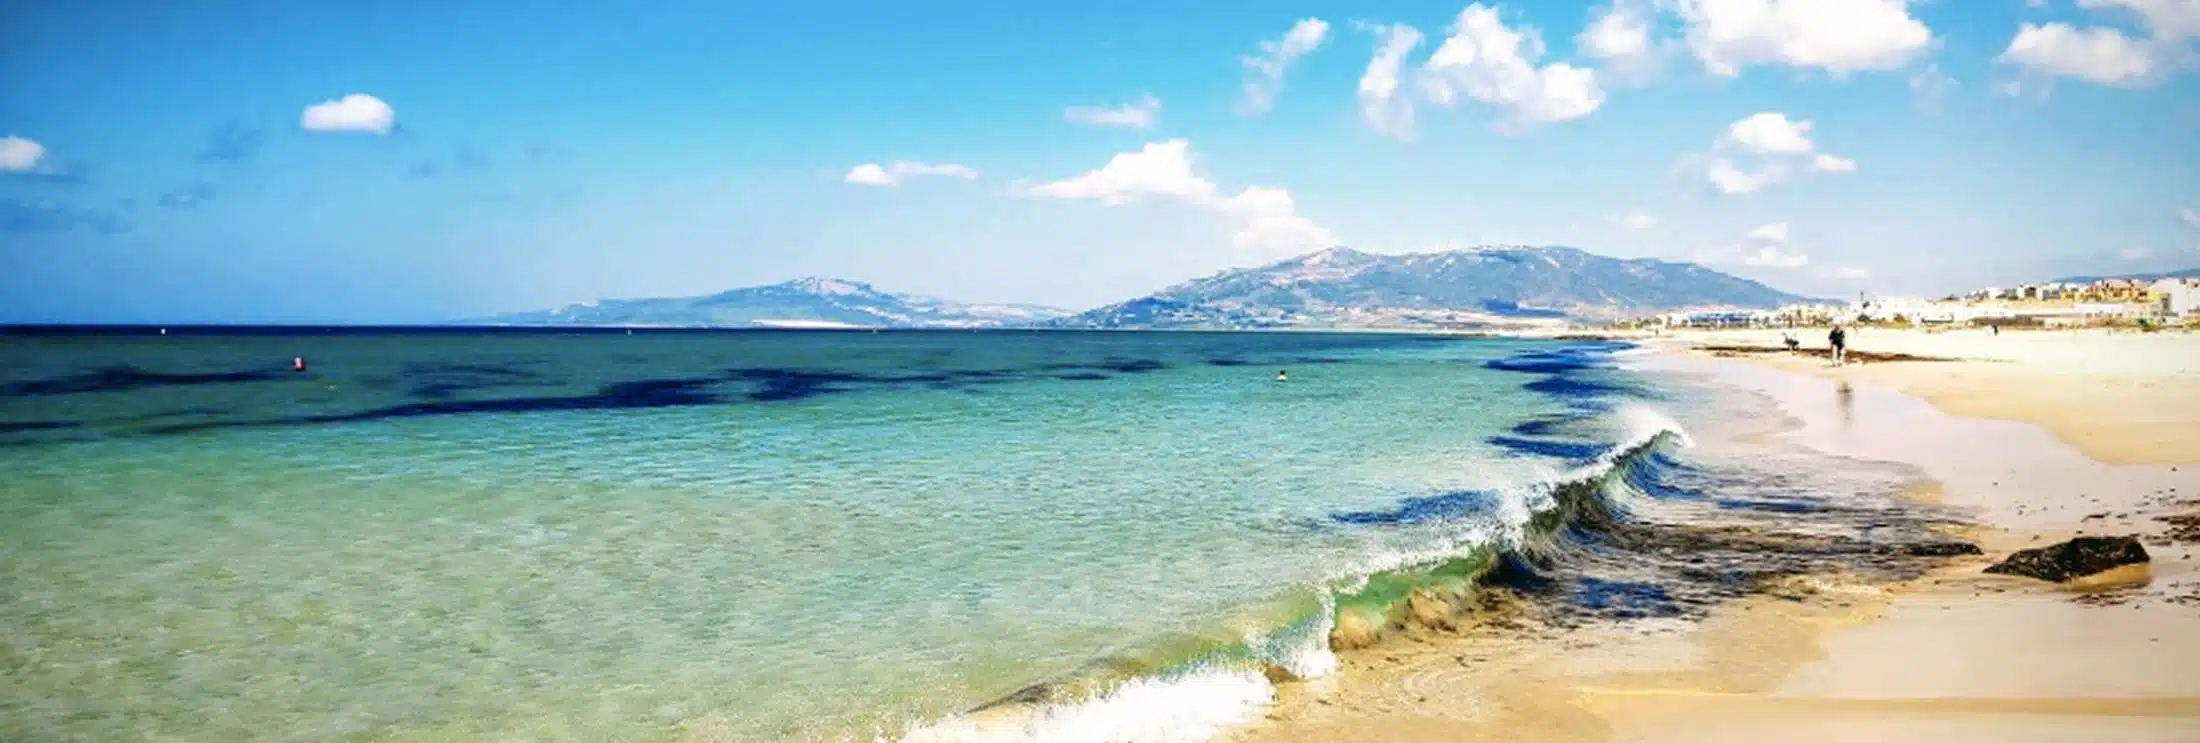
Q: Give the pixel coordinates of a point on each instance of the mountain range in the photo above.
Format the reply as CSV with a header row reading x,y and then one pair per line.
x,y
802,303
1334,288
2189,273
1341,287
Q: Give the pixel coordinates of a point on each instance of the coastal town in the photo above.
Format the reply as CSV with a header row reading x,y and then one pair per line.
x,y
2114,302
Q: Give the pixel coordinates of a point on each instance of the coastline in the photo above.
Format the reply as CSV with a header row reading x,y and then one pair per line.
x,y
2034,452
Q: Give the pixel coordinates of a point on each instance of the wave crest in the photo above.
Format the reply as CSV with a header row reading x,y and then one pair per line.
x,y
1222,687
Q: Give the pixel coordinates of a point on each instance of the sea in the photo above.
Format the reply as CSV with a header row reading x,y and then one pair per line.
x,y
535,534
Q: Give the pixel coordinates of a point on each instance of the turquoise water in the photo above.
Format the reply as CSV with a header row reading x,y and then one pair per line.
x,y
755,536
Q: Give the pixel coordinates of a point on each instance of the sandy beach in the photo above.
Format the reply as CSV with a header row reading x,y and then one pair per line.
x,y
2034,437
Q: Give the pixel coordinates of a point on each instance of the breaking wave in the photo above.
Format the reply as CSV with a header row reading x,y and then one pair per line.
x,y
1473,539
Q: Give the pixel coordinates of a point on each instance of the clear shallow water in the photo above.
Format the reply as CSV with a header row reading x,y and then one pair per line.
x,y
764,536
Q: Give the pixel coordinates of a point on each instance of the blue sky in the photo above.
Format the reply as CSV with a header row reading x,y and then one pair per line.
x,y
404,161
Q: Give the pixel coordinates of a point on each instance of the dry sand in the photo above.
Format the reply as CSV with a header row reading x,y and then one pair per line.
x,y
2039,435
2119,397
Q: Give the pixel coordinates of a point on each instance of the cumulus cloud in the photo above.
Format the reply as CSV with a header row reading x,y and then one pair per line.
x,y
2168,21
357,112
1621,37
1135,115
1838,37
1264,71
1733,181
20,154
1771,133
1380,105
1776,232
1615,32
2107,56
1268,218
1486,61
1779,145
2190,217
2103,56
2135,254
1638,221
893,174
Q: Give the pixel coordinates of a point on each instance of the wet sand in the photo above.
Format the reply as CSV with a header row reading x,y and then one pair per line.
x,y
1954,655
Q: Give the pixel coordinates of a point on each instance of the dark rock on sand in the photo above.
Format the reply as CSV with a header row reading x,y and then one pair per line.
x,y
2076,558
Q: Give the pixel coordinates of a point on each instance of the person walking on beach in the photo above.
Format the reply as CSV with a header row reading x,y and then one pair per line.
x,y
1840,340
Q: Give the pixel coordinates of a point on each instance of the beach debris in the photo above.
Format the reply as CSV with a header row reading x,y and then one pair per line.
x,y
2183,527
2076,558
1950,548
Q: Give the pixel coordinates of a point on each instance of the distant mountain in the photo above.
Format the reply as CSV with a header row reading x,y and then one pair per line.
x,y
811,302
1341,287
2189,273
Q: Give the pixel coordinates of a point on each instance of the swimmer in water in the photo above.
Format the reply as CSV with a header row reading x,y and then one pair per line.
x,y
1282,377
298,363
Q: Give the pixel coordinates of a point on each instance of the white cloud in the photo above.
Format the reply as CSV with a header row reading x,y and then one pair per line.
x,y
2167,21
1615,32
1734,181
1767,253
1930,85
1268,218
1771,257
1638,221
1771,133
1264,71
357,112
2190,217
1847,273
1825,163
1380,105
1135,115
1777,143
2103,56
1489,62
20,155
1621,36
1837,36
888,176
1159,169
2135,254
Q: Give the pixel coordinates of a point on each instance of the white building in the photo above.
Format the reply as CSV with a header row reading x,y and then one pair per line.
x,y
2175,297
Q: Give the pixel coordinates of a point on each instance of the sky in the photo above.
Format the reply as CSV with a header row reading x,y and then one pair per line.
x,y
412,161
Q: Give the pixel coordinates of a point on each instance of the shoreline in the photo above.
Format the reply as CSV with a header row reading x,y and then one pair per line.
x,y
1959,653
1970,656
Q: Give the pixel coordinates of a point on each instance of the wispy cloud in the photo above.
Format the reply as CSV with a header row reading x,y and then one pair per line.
x,y
17,215
1139,115
1264,71
891,175
188,197
1380,104
233,143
